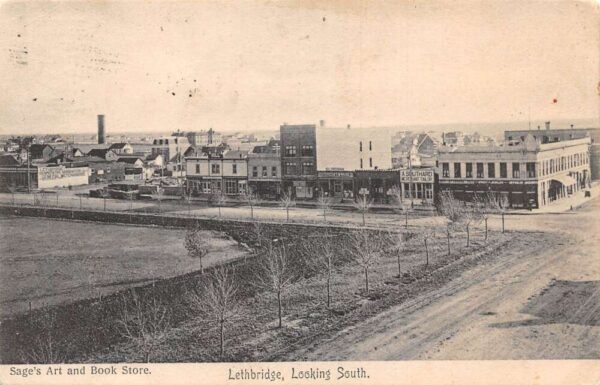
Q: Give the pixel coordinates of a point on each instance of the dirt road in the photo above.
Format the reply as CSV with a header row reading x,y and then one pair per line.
x,y
540,303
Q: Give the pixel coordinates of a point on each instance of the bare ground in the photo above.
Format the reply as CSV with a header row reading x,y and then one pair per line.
x,y
539,302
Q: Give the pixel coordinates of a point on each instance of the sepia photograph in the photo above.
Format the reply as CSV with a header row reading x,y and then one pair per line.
x,y
300,191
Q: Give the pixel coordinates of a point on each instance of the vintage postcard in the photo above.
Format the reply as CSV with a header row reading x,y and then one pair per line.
x,y
300,192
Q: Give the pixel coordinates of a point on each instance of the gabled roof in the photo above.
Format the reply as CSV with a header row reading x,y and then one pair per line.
x,y
118,146
129,159
8,160
100,152
153,156
233,154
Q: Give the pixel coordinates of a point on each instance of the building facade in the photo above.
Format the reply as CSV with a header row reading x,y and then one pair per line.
x,y
558,135
264,172
376,184
418,184
351,148
298,160
226,174
530,174
169,146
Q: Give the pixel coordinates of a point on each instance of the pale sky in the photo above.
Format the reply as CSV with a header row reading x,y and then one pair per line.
x,y
252,65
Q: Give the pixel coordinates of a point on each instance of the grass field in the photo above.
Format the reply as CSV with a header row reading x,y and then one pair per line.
x,y
45,261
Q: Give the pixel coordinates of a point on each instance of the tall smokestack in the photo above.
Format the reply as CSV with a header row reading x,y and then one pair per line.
x,y
100,129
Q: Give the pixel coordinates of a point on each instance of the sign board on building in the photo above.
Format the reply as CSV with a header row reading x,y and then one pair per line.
x,y
417,176
335,174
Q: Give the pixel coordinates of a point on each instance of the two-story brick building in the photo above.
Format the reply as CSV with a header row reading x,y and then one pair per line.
x,y
529,173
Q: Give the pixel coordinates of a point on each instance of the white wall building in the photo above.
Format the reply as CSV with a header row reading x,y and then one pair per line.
x,y
352,148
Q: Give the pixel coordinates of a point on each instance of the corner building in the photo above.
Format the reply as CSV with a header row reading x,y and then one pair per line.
x,y
531,174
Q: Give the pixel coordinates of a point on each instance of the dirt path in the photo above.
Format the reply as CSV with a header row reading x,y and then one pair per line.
x,y
540,303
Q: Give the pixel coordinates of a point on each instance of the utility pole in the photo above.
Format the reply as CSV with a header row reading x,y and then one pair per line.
x,y
28,165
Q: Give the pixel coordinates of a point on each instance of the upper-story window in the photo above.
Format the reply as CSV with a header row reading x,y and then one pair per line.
x,y
290,150
308,168
370,162
234,168
255,171
503,170
308,150
264,171
491,170
469,170
290,168
274,171
166,141
197,169
215,168
445,170
479,170
530,168
516,172
457,170
360,147
370,146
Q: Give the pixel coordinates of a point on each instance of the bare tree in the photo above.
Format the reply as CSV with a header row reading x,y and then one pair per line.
x,y
366,249
159,193
453,210
252,200
46,348
402,205
287,201
258,233
471,215
324,258
144,322
363,205
398,243
324,203
219,301
426,235
499,203
484,205
275,274
196,245
219,199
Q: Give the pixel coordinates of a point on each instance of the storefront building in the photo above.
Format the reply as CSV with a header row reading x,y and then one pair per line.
x,y
376,184
336,184
298,160
528,173
418,184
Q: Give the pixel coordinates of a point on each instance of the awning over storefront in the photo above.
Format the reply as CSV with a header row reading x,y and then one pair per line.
x,y
565,179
